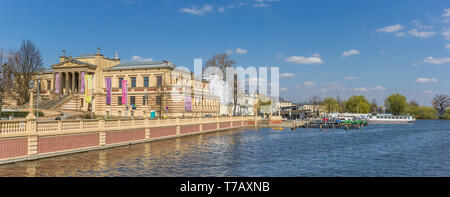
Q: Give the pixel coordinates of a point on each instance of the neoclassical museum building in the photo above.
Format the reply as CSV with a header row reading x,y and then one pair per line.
x,y
151,86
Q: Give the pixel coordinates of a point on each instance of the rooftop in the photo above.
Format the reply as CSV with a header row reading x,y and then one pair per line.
x,y
140,65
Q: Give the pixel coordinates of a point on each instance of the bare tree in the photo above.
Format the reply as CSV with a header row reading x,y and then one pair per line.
x,y
5,79
440,102
374,106
26,63
223,61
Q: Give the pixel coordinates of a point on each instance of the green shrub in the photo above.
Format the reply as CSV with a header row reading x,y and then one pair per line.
x,y
19,114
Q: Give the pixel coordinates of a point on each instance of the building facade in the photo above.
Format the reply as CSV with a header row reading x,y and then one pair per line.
x,y
151,86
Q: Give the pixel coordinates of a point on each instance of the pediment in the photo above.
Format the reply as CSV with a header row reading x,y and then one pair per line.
x,y
73,64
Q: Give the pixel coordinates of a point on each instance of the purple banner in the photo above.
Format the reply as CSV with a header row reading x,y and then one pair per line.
x,y
57,83
82,83
108,90
188,103
124,92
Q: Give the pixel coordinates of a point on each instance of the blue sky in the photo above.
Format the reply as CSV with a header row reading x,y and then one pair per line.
x,y
324,48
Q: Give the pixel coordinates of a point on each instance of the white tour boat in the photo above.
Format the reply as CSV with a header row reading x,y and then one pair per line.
x,y
389,119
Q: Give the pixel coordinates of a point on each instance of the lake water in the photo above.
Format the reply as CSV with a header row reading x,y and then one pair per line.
x,y
420,149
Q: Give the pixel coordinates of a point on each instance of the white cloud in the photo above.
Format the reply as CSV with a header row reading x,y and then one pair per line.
x,y
400,34
428,91
351,52
447,46
304,60
141,59
315,55
446,13
229,52
287,75
432,60
241,51
378,88
426,80
197,10
392,28
283,89
362,89
351,78
423,34
221,9
446,33
309,83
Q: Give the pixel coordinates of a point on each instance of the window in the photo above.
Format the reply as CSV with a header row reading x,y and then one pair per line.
x,y
158,81
146,82
133,82
119,100
120,82
144,101
132,100
158,100
49,84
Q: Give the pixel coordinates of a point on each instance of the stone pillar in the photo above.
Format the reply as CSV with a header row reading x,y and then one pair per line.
x,y
73,82
67,83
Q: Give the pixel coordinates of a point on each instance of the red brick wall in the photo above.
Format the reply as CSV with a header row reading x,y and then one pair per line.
x,y
189,129
10,148
249,123
113,137
275,121
225,124
163,131
60,143
235,124
207,127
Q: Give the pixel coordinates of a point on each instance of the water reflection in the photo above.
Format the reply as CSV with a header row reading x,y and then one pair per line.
x,y
419,150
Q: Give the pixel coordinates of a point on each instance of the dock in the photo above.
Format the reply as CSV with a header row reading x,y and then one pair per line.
x,y
294,124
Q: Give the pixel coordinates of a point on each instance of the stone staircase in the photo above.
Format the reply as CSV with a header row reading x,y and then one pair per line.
x,y
46,102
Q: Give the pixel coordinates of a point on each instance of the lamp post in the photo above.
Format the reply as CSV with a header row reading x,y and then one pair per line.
x,y
37,97
30,115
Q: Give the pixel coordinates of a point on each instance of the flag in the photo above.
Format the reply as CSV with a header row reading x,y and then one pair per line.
x,y
57,83
108,90
88,88
124,92
82,83
188,103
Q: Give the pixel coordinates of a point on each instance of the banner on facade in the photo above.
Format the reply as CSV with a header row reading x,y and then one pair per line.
x,y
108,90
188,103
88,87
124,92
57,83
82,83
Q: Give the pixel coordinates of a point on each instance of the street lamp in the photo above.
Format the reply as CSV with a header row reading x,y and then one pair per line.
x,y
37,97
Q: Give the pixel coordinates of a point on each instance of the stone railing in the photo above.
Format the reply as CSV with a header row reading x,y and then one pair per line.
x,y
28,139
30,127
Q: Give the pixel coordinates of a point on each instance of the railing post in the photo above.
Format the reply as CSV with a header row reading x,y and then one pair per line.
x,y
102,132
147,128
59,126
32,137
81,124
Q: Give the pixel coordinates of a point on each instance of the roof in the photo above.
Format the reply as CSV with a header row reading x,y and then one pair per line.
x,y
76,62
140,65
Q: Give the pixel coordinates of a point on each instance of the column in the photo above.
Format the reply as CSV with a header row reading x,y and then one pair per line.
x,y
73,82
67,83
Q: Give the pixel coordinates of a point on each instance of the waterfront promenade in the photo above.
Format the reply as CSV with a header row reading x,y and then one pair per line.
x,y
29,140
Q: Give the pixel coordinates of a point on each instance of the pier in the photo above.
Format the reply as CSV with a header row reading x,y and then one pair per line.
x,y
295,124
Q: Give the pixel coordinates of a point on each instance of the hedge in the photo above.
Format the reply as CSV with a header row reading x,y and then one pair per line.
x,y
19,114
